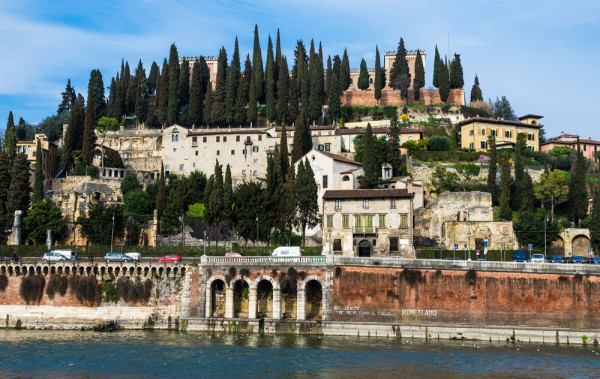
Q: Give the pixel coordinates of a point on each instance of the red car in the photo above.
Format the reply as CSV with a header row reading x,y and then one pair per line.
x,y
170,258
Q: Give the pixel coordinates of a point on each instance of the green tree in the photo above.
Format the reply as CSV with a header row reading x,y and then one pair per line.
x,y
68,98
467,173
257,68
97,226
476,94
96,95
249,199
316,87
502,109
334,97
173,86
437,63
517,186
528,226
130,183
5,172
594,224
153,77
270,83
207,114
228,214
185,198
198,181
377,82
141,98
456,80
505,182
113,159
492,169
137,204
184,83
196,96
52,126
438,143
219,111
243,92
328,76
299,132
215,206
161,197
345,72
38,181
252,114
419,81
381,150
162,94
19,191
283,154
371,171
10,137
170,220
443,80
578,193
399,73
527,194
394,154
443,180
363,77
305,191
233,81
43,216
283,92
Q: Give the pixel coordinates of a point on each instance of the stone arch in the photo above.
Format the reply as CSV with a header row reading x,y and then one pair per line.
x,y
311,303
580,245
345,178
241,296
265,296
557,248
216,302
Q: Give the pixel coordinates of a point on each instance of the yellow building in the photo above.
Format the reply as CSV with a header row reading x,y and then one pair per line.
x,y
49,154
475,132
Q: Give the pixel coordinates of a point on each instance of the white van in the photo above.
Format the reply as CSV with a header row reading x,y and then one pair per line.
x,y
69,254
287,251
137,257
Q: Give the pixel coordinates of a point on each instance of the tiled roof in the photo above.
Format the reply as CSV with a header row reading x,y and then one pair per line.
x,y
339,158
486,120
530,115
206,132
350,171
403,130
367,194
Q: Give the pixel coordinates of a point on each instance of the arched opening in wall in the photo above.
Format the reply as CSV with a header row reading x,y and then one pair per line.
x,y
345,178
95,271
102,271
217,294
314,300
117,271
168,272
131,271
581,245
175,271
364,248
59,270
146,269
10,270
38,270
289,293
264,299
160,271
52,270
241,294
45,270
159,143
3,270
88,270
557,248
139,271
81,271
31,270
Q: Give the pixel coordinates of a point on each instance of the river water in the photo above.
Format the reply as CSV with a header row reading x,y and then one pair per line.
x,y
161,354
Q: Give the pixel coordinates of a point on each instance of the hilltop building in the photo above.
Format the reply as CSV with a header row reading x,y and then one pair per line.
x,y
588,147
49,154
474,132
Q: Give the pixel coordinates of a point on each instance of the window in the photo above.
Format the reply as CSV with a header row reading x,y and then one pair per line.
x,y
203,139
404,221
393,243
232,152
174,149
584,147
393,203
255,149
224,138
194,164
411,138
382,221
338,204
484,144
365,204
337,244
321,147
180,167
345,221
471,145
327,147
483,131
494,132
196,152
369,224
237,138
330,221
508,134
255,173
168,168
532,122
247,138
256,161
345,178
471,132
260,138
174,137
358,223
243,172
218,138
218,152
370,80
325,181
194,139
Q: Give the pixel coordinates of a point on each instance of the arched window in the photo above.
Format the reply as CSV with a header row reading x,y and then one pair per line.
x,y
345,178
370,80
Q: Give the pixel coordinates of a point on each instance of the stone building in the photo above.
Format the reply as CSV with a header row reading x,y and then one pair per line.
x,y
475,131
368,223
388,180
49,154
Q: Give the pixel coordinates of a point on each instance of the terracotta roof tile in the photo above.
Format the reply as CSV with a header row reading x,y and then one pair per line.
x,y
367,194
486,120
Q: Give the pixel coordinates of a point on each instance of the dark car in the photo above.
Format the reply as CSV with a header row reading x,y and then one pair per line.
x,y
520,256
117,257
595,261
557,259
578,259
452,259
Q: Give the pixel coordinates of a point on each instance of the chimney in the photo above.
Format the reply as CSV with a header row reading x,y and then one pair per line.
x,y
562,133
409,185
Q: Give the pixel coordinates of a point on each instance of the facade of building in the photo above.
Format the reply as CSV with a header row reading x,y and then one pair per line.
x,y
587,146
389,181
475,132
49,154
368,223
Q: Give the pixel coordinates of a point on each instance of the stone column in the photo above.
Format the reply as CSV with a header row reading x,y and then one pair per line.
x,y
208,307
325,300
276,303
252,301
301,304
228,302
205,297
16,229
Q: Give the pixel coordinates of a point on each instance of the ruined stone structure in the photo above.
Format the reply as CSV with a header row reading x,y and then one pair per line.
x,y
572,242
392,97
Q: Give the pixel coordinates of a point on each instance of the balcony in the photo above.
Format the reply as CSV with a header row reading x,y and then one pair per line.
x,y
364,230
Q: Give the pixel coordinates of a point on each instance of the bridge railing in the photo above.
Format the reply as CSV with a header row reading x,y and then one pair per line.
x,y
317,259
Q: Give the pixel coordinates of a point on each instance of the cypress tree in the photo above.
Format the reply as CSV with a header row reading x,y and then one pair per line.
x,y
377,82
283,154
152,78
219,111
594,224
270,82
111,108
371,175
437,63
131,92
96,94
10,137
527,195
476,94
505,182
38,181
196,97
363,77
444,85
305,190
399,73
394,154
74,134
493,168
89,136
141,101
214,210
578,192
293,97
305,94
328,75
5,172
243,92
276,69
306,137
119,101
316,88
208,104
252,115
345,72
334,97
297,150
184,83
283,92
162,98
321,75
19,191
68,98
161,199
257,68
228,215
233,81
419,81
456,80
173,95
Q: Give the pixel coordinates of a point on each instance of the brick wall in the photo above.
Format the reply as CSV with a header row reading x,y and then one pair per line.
x,y
392,97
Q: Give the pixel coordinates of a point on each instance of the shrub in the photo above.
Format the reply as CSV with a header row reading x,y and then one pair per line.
x,y
57,284
87,290
483,159
32,288
132,292
439,143
469,112
3,282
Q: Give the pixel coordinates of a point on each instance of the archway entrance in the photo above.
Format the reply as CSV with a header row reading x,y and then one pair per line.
x,y
314,299
364,248
557,249
240,299
264,299
217,294
581,245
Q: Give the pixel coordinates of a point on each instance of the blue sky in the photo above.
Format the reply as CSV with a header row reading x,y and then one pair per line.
x,y
541,54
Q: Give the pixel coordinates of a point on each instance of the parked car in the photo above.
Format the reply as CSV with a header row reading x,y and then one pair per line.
x,y
135,256
452,259
538,258
520,256
169,258
595,260
69,254
578,259
557,259
53,257
232,254
286,251
117,257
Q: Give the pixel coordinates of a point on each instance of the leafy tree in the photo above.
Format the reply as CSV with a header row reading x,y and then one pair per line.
x,y
208,189
185,198
578,193
517,186
161,197
505,182
52,126
10,137
305,191
594,224
173,92
228,214
198,181
527,194
299,132
170,219
528,226
419,81
305,96
113,159
257,68
96,95
328,76
130,183
252,114
371,175
283,92
38,181
456,80
270,82
467,173
377,82
68,98
399,73
243,92
73,136
503,110
363,77
153,77
233,81
443,80
493,168
381,150
476,94
97,226
137,204
437,63
438,143
418,145
394,156
43,216
443,180
162,93
345,72
249,199
316,86
283,154
19,191
184,83
207,114
5,172
215,206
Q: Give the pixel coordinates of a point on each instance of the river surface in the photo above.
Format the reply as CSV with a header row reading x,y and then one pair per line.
x,y
163,354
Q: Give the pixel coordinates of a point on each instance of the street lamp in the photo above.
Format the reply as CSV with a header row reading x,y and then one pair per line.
x,y
545,221
112,233
257,233
329,241
469,235
204,243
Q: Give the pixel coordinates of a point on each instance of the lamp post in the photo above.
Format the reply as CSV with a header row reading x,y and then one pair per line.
x,y
329,241
545,221
112,233
257,233
204,243
469,235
